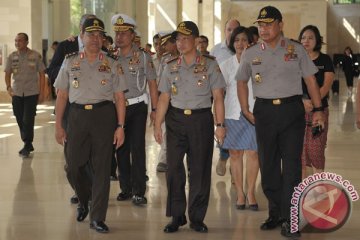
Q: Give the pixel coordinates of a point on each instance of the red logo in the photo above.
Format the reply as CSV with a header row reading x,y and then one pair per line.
x,y
325,207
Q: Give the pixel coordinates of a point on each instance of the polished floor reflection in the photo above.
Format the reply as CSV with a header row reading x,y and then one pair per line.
x,y
34,193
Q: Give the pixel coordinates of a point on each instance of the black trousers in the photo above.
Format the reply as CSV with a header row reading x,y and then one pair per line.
x,y
280,133
24,109
131,156
192,135
90,142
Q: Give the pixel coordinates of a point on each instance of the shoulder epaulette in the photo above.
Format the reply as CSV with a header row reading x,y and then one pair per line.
x,y
165,54
209,56
251,45
171,60
111,55
71,54
293,40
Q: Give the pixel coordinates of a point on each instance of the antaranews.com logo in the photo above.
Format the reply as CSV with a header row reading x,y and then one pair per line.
x,y
322,202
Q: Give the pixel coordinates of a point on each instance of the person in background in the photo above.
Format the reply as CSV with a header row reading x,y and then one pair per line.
x,y
26,68
202,44
276,66
147,49
168,43
108,44
222,52
313,155
348,68
255,33
137,40
159,51
241,135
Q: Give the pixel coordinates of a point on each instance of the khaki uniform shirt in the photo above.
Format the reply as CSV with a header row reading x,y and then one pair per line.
x,y
25,68
89,83
190,86
138,68
276,73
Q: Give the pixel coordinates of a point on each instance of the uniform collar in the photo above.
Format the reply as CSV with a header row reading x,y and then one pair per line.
x,y
282,43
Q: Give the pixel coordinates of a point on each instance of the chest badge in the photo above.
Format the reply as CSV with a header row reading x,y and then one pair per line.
x,y
75,83
103,82
258,78
256,61
174,89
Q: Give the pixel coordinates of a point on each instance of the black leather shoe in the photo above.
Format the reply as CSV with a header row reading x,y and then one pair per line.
x,y
174,225
24,153
139,200
99,226
74,199
82,212
199,227
271,223
286,231
123,196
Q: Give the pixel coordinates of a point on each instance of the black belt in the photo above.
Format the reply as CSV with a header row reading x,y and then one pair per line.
x,y
190,111
90,106
279,101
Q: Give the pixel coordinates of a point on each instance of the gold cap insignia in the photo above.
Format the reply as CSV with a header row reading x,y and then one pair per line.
x,y
263,13
96,23
120,21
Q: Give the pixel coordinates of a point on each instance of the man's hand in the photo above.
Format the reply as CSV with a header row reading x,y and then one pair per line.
x,y
249,116
308,105
220,135
10,91
152,117
60,136
318,118
119,137
158,134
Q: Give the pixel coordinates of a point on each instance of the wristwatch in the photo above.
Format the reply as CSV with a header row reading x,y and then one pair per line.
x,y
220,125
120,126
318,109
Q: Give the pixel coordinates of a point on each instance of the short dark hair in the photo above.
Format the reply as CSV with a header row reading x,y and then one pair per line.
x,y
316,32
204,37
109,39
348,48
254,30
55,43
24,35
237,31
156,36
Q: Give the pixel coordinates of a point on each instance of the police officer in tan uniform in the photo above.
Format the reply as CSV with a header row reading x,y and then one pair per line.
x,y
276,66
27,89
91,81
187,85
139,71
170,51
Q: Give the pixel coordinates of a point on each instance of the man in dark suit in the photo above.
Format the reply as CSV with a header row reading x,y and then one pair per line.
x,y
65,47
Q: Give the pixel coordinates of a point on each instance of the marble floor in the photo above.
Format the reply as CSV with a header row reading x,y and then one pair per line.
x,y
34,193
